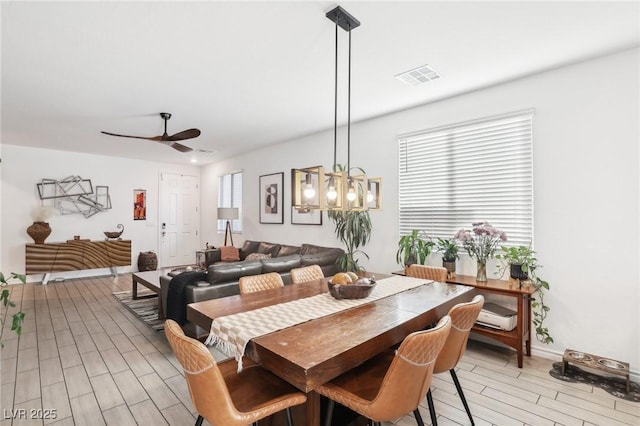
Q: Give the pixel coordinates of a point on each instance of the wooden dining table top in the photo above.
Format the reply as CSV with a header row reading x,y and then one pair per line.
x,y
312,353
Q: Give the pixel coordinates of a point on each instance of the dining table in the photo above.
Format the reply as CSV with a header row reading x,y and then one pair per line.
x,y
312,353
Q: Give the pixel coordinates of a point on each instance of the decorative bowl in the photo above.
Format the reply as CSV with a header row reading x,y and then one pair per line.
x,y
115,234
350,291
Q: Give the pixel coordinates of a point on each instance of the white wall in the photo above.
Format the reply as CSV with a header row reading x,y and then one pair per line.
x,y
22,168
586,139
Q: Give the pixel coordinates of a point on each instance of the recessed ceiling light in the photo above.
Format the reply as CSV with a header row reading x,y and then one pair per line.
x,y
420,75
194,160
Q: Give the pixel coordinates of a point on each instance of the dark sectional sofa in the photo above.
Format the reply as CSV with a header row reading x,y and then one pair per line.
x,y
222,277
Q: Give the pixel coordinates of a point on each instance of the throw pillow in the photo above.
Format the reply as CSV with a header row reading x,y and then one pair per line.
x,y
257,256
229,253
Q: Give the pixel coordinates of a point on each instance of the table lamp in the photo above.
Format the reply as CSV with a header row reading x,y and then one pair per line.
x,y
228,213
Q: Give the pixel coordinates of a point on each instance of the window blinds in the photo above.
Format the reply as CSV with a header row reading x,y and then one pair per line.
x,y
476,171
230,195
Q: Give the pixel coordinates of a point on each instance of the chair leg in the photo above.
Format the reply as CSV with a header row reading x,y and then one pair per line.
x,y
418,417
329,418
289,419
432,409
199,421
454,376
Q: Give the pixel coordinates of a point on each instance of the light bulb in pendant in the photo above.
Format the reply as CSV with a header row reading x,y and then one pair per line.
x,y
351,193
332,193
309,191
370,196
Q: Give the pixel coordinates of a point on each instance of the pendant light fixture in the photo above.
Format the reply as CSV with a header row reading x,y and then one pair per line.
x,y
312,188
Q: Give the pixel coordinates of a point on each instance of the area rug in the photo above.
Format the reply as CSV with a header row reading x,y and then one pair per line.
x,y
145,307
616,386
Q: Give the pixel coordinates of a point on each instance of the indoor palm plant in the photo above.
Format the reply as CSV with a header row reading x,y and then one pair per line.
x,y
353,228
522,263
413,248
16,324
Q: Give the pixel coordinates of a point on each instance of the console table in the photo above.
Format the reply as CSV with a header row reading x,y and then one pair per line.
x,y
76,255
519,336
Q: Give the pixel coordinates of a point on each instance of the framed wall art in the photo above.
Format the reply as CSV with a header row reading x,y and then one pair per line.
x,y
271,198
139,204
306,216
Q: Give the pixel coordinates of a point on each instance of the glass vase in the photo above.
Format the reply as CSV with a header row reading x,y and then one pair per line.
x,y
481,275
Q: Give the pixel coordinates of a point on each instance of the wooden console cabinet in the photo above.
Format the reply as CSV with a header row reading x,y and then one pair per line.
x,y
75,256
519,336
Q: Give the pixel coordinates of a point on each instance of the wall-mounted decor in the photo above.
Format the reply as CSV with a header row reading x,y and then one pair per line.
x,y
139,204
306,216
75,195
271,198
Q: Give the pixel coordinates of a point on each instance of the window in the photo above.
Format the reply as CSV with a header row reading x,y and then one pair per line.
x,y
469,172
230,195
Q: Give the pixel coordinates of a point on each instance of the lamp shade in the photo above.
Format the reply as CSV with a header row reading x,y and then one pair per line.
x,y
228,213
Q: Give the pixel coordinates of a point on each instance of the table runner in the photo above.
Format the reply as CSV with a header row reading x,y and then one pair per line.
x,y
232,333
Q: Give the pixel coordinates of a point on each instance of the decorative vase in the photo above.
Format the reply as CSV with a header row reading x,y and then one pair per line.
x,y
147,261
481,276
39,231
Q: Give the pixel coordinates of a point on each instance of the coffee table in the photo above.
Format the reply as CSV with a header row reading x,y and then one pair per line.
x,y
151,280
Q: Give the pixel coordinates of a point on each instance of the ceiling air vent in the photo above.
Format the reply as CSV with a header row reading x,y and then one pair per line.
x,y
416,76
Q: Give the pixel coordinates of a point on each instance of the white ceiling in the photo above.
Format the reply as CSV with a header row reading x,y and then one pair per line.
x,y
249,74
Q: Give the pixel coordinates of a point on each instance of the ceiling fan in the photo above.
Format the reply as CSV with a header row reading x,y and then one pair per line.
x,y
166,139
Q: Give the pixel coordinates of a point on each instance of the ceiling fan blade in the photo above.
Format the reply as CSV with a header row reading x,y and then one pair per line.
x,y
179,146
154,138
186,134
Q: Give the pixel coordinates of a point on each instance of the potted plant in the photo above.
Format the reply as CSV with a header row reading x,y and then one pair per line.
x,y
353,228
413,248
18,317
449,249
521,261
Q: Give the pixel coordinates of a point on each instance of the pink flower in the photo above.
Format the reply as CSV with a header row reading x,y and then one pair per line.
x,y
484,241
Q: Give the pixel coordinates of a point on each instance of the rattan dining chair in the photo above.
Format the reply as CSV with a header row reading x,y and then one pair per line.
x,y
427,272
223,396
305,274
463,316
392,383
253,283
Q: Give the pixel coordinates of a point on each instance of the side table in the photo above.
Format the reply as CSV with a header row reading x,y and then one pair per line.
x,y
520,336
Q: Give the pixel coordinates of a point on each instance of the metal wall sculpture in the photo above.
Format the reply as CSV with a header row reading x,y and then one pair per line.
x,y
75,195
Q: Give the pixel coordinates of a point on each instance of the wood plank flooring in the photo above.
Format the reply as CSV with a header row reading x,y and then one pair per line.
x,y
84,355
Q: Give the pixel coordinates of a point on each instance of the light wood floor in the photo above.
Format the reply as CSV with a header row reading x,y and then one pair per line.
x,y
87,357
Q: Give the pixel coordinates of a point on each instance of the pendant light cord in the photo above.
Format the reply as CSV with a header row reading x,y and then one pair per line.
x,y
335,107
349,112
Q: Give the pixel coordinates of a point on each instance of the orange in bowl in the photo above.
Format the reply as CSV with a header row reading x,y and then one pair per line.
x,y
341,278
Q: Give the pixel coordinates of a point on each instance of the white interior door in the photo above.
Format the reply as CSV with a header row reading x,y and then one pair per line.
x,y
179,219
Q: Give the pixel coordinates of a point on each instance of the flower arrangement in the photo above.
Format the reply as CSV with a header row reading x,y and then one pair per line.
x,y
482,241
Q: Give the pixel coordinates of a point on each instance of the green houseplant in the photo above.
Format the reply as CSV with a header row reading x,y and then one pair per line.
x,y
449,249
521,262
413,248
353,228
16,324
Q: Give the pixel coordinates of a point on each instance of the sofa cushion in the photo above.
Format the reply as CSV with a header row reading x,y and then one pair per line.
x,y
224,272
229,253
313,249
280,264
248,247
269,248
327,257
257,256
286,250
